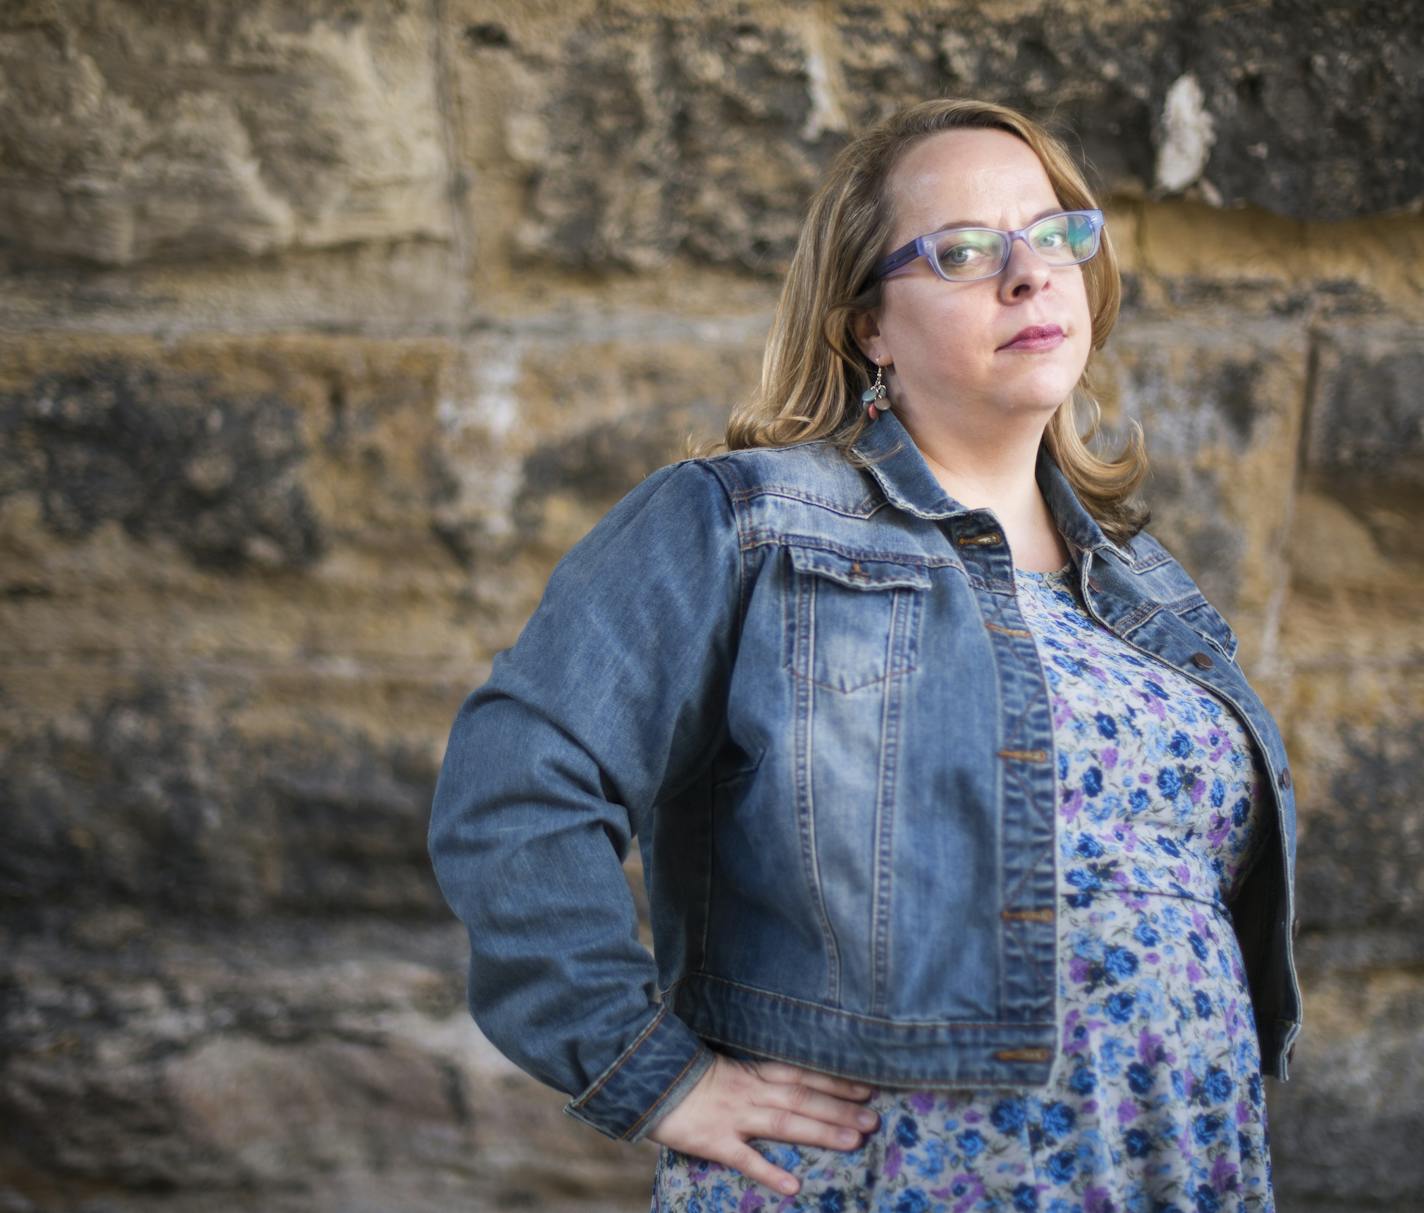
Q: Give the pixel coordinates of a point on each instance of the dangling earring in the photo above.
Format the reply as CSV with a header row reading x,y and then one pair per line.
x,y
877,396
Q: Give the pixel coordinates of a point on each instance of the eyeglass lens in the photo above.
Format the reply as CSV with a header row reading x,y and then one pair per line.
x,y
981,252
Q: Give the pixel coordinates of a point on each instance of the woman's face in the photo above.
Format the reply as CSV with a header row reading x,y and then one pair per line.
x,y
949,343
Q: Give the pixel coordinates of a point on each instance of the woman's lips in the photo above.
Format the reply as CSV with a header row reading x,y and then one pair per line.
x,y
1038,337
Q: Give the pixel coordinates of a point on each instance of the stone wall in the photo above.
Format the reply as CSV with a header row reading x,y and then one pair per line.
x,y
325,328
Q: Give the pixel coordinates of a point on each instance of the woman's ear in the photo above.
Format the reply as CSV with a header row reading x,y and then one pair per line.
x,y
866,329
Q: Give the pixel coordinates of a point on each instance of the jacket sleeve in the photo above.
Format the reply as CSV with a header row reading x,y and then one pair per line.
x,y
611,699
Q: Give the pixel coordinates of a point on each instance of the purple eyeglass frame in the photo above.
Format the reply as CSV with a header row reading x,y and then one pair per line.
x,y
923,246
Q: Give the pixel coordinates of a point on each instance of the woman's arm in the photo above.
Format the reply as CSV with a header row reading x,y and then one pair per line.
x,y
612,697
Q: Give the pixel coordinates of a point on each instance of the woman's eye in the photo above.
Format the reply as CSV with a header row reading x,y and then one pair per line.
x,y
957,256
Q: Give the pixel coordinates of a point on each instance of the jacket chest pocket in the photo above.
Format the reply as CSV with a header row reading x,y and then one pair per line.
x,y
1204,619
851,622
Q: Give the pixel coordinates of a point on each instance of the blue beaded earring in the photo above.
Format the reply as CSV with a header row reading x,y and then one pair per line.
x,y
877,396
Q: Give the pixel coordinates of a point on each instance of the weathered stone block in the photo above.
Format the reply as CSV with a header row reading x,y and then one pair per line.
x,y
284,496
1365,448
1345,1130
1308,118
134,134
326,1066
639,135
155,802
1356,733
570,424
1221,410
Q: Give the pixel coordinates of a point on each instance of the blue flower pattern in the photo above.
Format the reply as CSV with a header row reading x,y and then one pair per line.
x,y
1155,1099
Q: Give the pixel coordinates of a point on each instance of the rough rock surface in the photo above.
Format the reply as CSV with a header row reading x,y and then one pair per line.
x,y
325,329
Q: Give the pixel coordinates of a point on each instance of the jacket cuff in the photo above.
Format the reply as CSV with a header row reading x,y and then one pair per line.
x,y
646,1081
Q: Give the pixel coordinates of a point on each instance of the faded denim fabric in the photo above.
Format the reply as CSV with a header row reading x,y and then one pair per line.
x,y
808,690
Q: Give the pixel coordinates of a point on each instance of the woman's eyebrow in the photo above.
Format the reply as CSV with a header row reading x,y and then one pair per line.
x,y
1052,210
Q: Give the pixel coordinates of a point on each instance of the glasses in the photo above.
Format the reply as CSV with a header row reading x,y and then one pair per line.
x,y
967,254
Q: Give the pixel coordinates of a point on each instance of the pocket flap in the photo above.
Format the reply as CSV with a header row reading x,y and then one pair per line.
x,y
1203,618
860,572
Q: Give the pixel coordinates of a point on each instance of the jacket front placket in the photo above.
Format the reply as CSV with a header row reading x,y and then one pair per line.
x,y
1027,762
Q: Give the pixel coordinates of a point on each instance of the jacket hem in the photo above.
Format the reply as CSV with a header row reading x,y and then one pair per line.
x,y
942,1054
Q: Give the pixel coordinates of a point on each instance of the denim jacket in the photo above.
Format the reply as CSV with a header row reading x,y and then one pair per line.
x,y
807,689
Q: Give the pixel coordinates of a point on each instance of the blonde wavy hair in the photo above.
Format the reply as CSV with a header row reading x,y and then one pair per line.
x,y
813,372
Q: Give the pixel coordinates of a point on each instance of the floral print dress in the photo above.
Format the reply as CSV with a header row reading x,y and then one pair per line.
x,y
1154,1104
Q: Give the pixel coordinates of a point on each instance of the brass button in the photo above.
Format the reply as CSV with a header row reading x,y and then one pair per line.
x,y
1203,660
1285,779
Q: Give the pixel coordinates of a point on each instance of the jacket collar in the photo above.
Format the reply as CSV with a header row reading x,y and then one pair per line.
x,y
908,484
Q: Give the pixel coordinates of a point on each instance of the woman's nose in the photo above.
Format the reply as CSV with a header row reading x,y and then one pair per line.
x,y
1026,273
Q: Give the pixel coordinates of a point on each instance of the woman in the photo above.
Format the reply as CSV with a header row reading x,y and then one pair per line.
x,y
950,794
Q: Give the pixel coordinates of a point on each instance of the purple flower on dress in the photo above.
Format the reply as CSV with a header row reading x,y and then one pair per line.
x,y
1223,1174
1097,1200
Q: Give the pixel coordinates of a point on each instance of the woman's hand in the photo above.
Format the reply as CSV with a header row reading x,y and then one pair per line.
x,y
735,1100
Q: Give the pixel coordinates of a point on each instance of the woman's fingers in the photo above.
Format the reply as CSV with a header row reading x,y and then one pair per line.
x,y
775,1101
816,1104
753,1164
782,1124
783,1072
